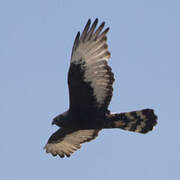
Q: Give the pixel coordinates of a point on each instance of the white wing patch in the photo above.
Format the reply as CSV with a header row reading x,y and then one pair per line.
x,y
91,51
70,142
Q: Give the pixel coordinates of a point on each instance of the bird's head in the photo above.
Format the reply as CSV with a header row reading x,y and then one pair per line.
x,y
60,119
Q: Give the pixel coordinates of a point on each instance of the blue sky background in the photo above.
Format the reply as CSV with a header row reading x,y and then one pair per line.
x,y
36,38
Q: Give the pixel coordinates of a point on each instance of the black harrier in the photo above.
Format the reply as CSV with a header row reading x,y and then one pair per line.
x,y
90,81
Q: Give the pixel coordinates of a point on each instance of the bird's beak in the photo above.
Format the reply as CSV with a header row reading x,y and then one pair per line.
x,y
52,123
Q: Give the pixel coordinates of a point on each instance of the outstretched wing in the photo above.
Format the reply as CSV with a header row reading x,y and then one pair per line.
x,y
64,142
90,78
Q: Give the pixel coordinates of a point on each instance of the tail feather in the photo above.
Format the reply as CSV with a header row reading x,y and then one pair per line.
x,y
141,121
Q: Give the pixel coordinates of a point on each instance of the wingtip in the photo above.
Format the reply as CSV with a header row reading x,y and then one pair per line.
x,y
78,33
89,21
102,24
107,29
96,20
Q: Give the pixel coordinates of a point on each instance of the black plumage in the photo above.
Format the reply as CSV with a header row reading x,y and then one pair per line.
x,y
90,81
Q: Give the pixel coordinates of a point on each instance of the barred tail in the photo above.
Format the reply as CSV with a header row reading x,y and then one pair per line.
x,y
141,121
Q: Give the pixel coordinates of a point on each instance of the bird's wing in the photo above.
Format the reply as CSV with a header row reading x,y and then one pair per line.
x,y
64,142
90,78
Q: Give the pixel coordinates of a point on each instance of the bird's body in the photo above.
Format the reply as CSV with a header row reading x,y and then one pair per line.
x,y
83,119
90,82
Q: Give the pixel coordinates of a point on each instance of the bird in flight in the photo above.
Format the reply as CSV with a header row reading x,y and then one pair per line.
x,y
90,81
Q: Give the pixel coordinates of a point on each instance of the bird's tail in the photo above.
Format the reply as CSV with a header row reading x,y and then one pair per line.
x,y
141,121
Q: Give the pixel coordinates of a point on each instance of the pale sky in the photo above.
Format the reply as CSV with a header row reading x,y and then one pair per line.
x,y
36,38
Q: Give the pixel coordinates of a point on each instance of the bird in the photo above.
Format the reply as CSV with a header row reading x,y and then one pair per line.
x,y
90,82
